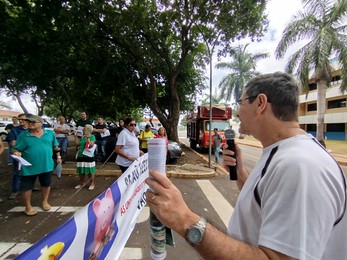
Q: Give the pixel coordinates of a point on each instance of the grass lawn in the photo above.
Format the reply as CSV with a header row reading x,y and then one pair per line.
x,y
336,146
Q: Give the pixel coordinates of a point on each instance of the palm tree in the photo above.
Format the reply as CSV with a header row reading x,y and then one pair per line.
x,y
215,99
321,24
242,68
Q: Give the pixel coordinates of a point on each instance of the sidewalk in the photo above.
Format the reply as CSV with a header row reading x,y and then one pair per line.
x,y
189,171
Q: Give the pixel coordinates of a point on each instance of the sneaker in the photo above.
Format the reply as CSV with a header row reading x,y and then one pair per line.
x,y
10,164
1,200
13,195
78,187
91,187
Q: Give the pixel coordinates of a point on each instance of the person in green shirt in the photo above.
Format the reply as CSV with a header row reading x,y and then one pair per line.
x,y
36,146
85,158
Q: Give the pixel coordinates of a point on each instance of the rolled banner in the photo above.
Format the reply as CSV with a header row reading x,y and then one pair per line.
x,y
157,161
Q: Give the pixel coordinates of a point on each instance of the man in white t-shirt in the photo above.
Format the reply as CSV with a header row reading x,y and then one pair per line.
x,y
292,205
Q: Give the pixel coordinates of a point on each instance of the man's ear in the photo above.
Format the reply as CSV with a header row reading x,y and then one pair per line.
x,y
262,102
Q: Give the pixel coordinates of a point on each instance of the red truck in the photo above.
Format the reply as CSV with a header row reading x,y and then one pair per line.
x,y
198,124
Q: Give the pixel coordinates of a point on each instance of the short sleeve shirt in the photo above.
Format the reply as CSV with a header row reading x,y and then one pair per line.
x,y
98,135
83,142
61,127
130,147
37,151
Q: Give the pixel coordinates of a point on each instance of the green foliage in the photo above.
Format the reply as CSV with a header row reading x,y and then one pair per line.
x,y
116,57
243,68
321,26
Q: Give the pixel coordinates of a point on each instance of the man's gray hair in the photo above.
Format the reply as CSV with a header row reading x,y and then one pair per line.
x,y
282,92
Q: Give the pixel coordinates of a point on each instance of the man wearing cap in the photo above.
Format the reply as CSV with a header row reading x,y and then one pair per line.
x,y
36,146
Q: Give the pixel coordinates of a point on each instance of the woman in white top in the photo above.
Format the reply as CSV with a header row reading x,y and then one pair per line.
x,y
127,147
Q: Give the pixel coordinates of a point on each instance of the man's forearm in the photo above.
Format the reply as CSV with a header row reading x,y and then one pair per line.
x,y
217,245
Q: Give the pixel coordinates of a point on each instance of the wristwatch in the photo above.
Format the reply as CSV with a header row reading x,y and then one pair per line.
x,y
196,232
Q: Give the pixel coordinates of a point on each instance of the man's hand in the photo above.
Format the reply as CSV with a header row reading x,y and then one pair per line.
x,y
228,160
167,203
16,153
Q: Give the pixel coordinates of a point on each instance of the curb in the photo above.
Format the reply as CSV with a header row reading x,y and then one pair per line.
x,y
219,167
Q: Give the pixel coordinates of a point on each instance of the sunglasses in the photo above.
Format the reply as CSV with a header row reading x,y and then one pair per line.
x,y
132,124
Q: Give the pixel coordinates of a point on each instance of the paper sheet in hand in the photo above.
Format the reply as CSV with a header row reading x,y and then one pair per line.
x,y
21,160
157,154
90,151
105,134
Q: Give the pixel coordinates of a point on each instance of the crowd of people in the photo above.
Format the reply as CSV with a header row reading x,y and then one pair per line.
x,y
28,139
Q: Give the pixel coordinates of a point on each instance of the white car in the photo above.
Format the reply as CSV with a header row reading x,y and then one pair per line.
x,y
3,132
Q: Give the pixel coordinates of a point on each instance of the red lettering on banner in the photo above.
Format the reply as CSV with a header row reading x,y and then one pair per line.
x,y
126,205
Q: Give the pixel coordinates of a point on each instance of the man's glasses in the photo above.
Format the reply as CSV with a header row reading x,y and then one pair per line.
x,y
243,99
132,124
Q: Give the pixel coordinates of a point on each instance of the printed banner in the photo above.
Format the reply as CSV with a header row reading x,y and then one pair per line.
x,y
101,229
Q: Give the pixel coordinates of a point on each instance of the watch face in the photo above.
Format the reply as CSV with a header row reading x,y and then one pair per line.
x,y
194,235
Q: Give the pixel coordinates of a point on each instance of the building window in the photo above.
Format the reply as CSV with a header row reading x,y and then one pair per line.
x,y
312,107
311,127
312,86
335,79
335,127
337,103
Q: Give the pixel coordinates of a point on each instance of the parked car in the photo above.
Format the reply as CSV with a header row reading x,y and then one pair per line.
x,y
3,132
174,149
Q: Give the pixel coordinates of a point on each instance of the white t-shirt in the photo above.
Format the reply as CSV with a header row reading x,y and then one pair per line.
x,y
302,195
61,127
130,147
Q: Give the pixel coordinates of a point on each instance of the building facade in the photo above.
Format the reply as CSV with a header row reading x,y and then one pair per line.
x,y
335,119
6,115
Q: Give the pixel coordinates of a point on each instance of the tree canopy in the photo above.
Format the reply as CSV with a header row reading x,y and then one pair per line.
x,y
109,57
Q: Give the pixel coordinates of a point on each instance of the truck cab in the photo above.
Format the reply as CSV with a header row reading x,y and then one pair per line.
x,y
198,125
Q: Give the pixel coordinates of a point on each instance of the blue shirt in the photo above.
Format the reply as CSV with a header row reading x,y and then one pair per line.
x,y
15,132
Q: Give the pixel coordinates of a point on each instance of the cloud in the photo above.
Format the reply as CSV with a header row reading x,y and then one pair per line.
x,y
279,14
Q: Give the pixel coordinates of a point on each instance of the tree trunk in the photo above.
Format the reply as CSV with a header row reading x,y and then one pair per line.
x,y
20,102
321,107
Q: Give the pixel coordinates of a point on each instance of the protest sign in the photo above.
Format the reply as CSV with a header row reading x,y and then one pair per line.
x,y
101,229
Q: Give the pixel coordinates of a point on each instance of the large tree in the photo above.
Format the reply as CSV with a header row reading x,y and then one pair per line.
x,y
242,67
121,54
165,37
322,24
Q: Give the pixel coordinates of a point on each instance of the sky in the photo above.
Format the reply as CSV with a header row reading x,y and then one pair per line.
x,y
279,13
